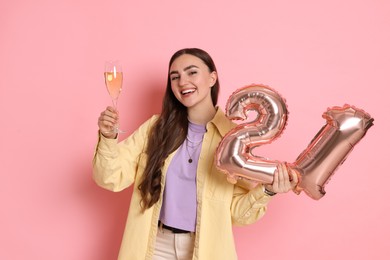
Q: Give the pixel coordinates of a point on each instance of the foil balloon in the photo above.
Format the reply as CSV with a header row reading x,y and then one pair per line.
x,y
233,155
345,127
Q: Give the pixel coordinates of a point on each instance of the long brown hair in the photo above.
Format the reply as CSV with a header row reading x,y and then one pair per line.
x,y
169,132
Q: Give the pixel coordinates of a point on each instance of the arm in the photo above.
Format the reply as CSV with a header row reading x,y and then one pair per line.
x,y
115,164
249,206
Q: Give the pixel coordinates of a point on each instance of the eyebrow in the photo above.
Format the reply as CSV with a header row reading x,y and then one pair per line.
x,y
186,68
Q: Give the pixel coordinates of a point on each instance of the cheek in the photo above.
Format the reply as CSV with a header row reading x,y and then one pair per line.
x,y
175,91
174,87
205,85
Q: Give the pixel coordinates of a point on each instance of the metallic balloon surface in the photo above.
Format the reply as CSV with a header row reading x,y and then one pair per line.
x,y
345,127
233,154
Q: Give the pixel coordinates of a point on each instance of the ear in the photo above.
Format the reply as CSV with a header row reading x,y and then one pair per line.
x,y
213,78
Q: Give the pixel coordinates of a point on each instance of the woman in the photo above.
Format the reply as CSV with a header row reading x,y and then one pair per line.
x,y
182,207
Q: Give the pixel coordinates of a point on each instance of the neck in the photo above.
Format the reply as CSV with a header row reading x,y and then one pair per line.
x,y
201,115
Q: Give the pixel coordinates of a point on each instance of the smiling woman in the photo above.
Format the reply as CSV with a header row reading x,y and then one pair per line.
x,y
191,80
179,193
316,53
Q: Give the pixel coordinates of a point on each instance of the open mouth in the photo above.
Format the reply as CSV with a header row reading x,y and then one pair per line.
x,y
187,91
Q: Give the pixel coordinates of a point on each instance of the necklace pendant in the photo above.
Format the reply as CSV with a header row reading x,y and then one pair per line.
x,y
190,160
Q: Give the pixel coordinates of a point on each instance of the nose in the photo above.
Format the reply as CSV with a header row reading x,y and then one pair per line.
x,y
183,80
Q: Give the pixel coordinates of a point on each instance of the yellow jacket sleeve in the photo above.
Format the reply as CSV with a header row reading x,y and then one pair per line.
x,y
115,165
248,206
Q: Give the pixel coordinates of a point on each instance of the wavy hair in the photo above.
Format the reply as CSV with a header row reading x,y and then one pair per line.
x,y
169,132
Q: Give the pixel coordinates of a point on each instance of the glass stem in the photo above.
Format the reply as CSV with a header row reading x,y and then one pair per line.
x,y
115,103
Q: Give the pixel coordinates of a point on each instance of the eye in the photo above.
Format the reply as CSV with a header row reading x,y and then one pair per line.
x,y
192,72
174,77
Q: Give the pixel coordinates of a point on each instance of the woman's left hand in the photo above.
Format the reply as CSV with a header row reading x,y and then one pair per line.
x,y
285,179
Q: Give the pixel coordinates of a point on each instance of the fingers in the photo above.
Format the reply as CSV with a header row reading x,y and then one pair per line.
x,y
285,175
284,179
107,120
108,116
295,178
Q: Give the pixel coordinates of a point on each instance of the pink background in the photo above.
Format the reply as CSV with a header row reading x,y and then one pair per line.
x,y
317,54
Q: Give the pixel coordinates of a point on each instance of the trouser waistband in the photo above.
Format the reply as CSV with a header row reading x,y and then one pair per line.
x,y
174,230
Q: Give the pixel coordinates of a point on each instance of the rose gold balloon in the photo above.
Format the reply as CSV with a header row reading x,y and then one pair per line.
x,y
233,155
345,127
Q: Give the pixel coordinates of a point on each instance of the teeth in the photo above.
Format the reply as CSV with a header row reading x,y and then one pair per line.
x,y
187,91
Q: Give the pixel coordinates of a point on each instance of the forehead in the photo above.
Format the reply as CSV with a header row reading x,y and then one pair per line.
x,y
185,60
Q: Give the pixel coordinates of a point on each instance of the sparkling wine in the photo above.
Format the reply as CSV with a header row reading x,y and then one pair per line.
x,y
114,83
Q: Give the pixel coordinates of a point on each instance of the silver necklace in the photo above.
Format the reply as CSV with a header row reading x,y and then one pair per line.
x,y
193,143
194,146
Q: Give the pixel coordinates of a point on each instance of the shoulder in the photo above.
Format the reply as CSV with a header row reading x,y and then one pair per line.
x,y
221,122
147,125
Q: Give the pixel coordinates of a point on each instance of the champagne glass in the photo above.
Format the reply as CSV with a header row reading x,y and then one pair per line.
x,y
113,76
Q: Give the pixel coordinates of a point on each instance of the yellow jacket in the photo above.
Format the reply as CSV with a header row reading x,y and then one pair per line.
x,y
220,204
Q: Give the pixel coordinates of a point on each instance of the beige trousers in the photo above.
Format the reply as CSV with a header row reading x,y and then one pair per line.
x,y
170,246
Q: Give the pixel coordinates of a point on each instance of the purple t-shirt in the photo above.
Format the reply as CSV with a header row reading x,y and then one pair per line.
x,y
179,199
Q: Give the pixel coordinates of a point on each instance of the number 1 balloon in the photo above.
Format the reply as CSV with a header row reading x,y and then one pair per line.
x,y
344,128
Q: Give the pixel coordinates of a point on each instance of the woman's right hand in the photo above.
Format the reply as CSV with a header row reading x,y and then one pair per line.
x,y
107,121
